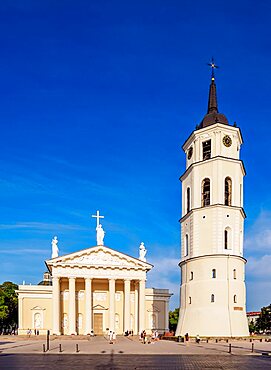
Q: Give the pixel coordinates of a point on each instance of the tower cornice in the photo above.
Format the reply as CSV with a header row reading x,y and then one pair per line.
x,y
219,255
193,136
192,165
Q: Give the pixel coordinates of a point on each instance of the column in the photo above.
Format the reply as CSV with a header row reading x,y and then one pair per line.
x,y
166,315
88,306
20,314
127,309
136,308
56,305
72,310
141,305
112,285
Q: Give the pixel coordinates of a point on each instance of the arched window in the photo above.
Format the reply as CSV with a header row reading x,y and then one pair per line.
x,y
186,246
227,191
212,298
213,273
235,298
234,274
191,275
205,193
227,238
188,200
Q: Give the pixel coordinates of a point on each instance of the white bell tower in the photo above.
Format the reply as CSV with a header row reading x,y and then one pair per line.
x,y
213,294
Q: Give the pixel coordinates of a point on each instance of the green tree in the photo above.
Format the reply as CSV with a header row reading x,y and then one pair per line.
x,y
263,323
173,319
8,304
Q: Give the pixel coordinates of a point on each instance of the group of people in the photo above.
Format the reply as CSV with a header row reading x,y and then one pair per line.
x,y
149,339
112,337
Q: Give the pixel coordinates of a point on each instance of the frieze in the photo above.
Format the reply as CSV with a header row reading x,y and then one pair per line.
x,y
99,273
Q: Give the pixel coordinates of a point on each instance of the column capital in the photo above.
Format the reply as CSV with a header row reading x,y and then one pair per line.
x,y
72,277
88,279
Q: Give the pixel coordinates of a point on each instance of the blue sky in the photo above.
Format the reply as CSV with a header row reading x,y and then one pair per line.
x,y
96,100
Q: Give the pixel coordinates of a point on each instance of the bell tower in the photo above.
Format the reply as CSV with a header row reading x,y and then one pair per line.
x,y
212,293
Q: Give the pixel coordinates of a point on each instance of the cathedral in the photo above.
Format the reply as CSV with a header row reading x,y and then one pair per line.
x,y
212,292
93,291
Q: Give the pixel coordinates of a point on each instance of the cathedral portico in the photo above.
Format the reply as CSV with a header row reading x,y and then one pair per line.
x,y
98,289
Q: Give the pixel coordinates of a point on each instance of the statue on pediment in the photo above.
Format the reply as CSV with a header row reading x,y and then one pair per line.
x,y
100,235
142,252
55,249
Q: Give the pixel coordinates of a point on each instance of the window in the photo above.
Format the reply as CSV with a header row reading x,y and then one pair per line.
x,y
205,193
234,274
227,191
214,273
189,300
226,237
186,245
235,298
188,200
206,150
212,298
191,275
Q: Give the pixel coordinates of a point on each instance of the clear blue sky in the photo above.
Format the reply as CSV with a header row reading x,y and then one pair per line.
x,y
96,100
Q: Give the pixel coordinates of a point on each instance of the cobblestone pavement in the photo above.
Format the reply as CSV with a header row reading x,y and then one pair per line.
x,y
124,345
115,361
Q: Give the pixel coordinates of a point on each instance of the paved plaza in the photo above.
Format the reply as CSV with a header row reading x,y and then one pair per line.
x,y
129,353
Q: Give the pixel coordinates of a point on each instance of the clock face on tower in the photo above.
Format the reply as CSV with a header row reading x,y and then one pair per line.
x,y
227,141
190,153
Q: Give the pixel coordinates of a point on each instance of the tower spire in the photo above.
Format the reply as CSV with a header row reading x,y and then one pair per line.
x,y
212,101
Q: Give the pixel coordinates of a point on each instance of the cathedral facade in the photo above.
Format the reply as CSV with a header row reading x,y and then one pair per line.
x,y
93,291
212,292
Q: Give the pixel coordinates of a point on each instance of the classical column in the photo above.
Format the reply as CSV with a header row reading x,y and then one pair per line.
x,y
127,309
88,306
20,313
56,305
141,305
112,285
136,309
72,311
166,315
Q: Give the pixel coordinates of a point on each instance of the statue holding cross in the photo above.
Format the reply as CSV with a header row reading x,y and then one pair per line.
x,y
100,232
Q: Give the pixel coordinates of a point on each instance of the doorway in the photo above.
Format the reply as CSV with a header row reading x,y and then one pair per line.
x,y
98,323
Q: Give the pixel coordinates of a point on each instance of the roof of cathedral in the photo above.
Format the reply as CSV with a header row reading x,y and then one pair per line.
x,y
213,116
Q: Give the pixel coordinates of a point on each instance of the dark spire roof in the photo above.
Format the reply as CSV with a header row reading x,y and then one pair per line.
x,y
212,115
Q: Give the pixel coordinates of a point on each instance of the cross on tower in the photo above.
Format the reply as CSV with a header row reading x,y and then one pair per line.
x,y
97,216
213,66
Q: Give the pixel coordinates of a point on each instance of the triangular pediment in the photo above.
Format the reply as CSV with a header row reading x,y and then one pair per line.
x,y
99,256
99,307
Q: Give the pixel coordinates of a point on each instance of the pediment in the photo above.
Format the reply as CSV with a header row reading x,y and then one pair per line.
x,y
99,307
37,308
100,256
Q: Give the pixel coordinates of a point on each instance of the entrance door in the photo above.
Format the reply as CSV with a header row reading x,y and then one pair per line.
x,y
98,323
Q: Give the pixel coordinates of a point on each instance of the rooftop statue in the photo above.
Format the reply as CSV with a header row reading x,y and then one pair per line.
x,y
55,249
142,252
100,235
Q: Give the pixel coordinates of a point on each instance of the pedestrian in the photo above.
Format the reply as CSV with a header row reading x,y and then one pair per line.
x,y
197,339
29,332
186,336
110,337
144,337
114,337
